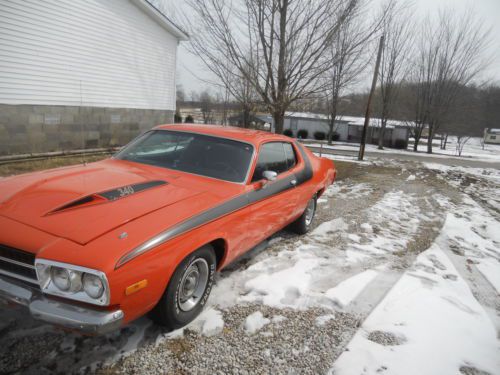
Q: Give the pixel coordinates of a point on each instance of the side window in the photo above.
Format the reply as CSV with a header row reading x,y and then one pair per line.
x,y
291,159
271,158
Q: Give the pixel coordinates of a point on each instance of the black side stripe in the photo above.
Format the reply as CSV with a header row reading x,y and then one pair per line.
x,y
223,209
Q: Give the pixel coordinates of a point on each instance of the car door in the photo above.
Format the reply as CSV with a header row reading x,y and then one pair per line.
x,y
272,202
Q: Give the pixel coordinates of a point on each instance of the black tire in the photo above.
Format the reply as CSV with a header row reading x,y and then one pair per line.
x,y
169,311
302,224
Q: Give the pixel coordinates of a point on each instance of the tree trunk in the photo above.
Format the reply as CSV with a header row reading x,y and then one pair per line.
x,y
430,137
246,118
333,115
418,136
381,134
445,141
279,121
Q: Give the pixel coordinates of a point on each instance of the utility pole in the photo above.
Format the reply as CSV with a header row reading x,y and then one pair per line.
x,y
372,90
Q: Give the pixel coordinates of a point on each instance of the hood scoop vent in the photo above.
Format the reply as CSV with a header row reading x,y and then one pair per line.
x,y
109,195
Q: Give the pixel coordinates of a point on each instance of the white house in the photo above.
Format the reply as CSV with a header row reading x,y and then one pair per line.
x,y
77,73
348,128
492,136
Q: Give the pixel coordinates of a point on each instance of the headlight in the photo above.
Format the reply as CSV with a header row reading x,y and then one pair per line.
x,y
60,278
92,285
74,282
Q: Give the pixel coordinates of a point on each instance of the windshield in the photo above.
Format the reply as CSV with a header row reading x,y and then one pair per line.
x,y
200,154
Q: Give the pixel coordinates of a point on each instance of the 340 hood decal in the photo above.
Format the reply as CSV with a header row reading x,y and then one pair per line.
x,y
110,195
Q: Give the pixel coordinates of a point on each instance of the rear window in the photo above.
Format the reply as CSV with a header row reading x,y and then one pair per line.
x,y
200,154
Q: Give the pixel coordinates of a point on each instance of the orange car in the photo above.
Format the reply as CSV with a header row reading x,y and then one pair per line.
x,y
94,246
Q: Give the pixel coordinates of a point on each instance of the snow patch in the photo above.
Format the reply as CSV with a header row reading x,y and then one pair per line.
x,y
345,292
435,314
255,322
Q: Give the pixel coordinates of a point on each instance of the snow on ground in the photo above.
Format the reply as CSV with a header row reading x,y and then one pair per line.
x,y
346,291
471,150
437,326
471,229
255,322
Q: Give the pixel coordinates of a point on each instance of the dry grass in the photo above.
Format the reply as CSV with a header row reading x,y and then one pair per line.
x,y
38,165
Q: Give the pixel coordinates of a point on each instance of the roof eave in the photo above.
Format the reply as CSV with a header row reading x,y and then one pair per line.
x,y
159,17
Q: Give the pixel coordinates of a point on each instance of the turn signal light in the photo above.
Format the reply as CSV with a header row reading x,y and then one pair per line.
x,y
136,287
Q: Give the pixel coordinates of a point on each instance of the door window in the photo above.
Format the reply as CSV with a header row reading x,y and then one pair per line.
x,y
274,156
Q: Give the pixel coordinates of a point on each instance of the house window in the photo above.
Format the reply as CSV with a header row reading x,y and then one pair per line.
x,y
493,137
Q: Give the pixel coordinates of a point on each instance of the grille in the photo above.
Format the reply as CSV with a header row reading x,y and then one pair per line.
x,y
17,264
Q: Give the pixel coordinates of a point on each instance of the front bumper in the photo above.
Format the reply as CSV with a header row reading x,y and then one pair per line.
x,y
57,312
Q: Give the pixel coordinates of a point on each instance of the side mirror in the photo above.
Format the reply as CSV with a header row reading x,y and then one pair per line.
x,y
269,175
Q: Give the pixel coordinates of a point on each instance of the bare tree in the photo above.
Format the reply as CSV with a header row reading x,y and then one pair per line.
x,y
398,30
461,141
276,45
449,56
347,52
206,103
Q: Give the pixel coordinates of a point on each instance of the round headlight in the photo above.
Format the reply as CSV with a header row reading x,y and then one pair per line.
x,y
92,285
61,278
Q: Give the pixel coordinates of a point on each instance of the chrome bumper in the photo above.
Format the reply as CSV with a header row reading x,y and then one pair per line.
x,y
64,314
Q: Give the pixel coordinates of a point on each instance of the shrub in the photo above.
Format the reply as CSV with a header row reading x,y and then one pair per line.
x,y
302,134
335,137
320,136
288,132
400,144
177,117
189,119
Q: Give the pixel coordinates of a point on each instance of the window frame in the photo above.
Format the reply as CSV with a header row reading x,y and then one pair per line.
x,y
297,160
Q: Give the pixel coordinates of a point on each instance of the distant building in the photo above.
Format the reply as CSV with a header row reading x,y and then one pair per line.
x,y
79,74
348,128
492,136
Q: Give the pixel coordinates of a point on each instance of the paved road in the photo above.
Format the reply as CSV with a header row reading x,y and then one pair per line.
x,y
411,156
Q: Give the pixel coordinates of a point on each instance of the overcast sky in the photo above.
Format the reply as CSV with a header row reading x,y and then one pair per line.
x,y
190,68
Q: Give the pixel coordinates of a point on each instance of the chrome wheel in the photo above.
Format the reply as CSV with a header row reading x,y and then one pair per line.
x,y
193,284
310,209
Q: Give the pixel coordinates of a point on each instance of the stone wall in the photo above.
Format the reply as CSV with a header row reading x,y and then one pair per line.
x,y
41,128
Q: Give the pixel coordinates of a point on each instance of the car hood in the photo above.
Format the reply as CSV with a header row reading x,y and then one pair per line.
x,y
83,202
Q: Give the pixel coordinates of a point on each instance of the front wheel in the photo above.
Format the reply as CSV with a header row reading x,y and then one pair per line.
x,y
188,290
303,223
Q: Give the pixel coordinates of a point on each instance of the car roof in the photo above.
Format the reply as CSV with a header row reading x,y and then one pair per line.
x,y
241,134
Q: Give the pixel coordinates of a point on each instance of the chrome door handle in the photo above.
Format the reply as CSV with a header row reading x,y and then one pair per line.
x,y
293,182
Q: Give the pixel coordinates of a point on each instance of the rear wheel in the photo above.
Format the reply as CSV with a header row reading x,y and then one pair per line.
x,y
303,223
188,290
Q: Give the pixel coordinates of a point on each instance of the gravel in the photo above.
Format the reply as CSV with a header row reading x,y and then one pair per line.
x,y
292,345
386,338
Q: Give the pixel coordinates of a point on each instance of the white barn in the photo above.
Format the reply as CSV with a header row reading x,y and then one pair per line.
x,y
348,128
77,73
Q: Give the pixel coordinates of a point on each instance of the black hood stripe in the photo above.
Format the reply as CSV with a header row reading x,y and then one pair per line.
x,y
225,208
110,195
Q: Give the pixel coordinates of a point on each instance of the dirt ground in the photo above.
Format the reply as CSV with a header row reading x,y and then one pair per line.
x,y
293,341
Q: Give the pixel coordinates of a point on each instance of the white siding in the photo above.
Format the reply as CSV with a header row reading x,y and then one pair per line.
x,y
102,53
